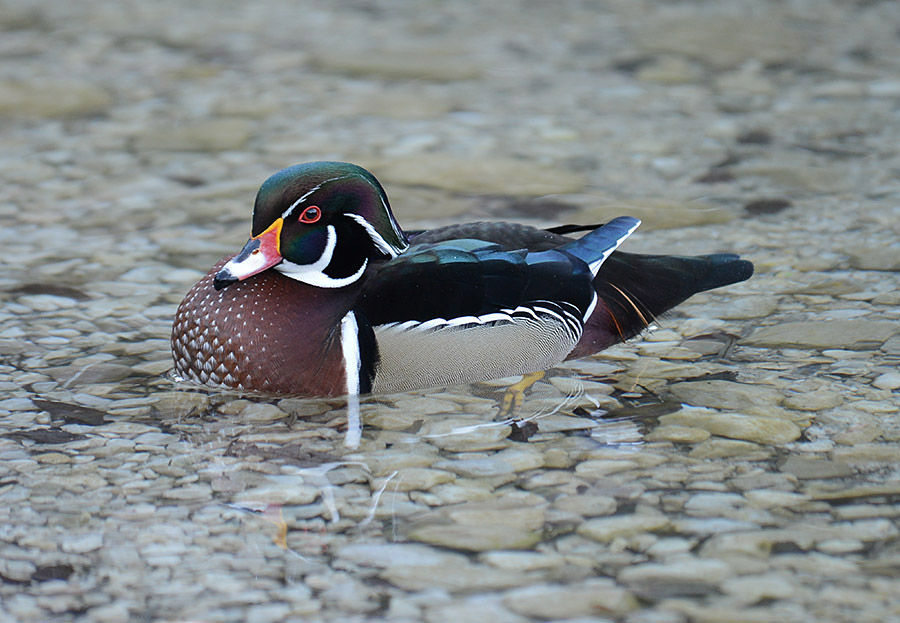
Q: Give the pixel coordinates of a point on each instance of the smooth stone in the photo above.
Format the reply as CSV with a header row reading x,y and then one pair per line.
x,y
82,544
457,435
814,401
738,308
398,103
91,373
718,448
475,538
511,522
759,429
840,546
191,492
454,577
888,380
382,555
522,561
591,598
16,570
880,258
820,179
654,213
682,575
722,41
180,403
478,175
59,98
53,458
853,334
261,412
387,461
420,479
867,453
602,467
806,468
605,529
477,468
290,493
586,505
755,588
420,64
718,394
678,434
349,595
770,498
413,205
207,135
475,609
884,88
839,88
745,84
668,70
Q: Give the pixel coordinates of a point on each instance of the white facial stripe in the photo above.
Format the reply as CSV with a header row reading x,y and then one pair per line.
x,y
393,221
379,241
314,274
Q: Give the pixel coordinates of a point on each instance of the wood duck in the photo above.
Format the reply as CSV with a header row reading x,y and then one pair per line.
x,y
330,297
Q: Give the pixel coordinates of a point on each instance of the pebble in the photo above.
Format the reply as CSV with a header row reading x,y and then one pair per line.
x,y
207,135
722,40
457,435
482,526
605,529
52,99
476,608
685,574
589,598
678,434
82,543
460,577
752,589
755,428
888,380
478,175
847,334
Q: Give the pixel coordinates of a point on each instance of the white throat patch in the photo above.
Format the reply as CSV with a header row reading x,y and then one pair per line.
x,y
314,274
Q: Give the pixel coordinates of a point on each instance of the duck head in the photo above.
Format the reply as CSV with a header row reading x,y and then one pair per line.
x,y
320,223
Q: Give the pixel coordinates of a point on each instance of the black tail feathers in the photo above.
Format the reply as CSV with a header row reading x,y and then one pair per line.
x,y
638,288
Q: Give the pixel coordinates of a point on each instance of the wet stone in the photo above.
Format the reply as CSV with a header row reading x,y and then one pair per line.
x,y
206,135
723,41
684,575
606,529
558,602
758,429
65,98
479,175
848,334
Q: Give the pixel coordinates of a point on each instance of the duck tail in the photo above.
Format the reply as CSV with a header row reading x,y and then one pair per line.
x,y
633,290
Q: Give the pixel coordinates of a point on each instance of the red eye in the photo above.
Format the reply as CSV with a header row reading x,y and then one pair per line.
x,y
311,215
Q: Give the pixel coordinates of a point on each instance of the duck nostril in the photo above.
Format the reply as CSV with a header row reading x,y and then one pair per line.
x,y
254,252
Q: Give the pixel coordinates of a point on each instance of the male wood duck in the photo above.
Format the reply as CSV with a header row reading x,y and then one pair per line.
x,y
330,297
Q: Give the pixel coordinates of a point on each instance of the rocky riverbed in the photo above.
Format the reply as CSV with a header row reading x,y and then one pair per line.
x,y
737,464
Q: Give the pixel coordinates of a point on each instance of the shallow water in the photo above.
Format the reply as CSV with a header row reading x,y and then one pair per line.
x,y
737,464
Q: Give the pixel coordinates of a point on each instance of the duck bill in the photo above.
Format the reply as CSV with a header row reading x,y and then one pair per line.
x,y
260,253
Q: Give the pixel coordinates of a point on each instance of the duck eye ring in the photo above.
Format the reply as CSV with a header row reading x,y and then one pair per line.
x,y
310,215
